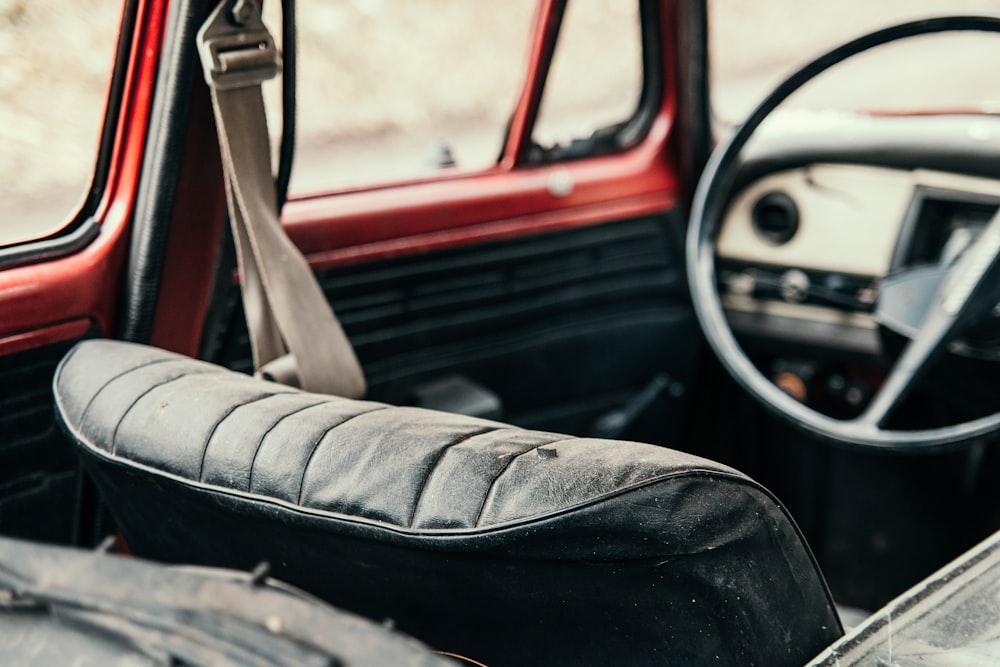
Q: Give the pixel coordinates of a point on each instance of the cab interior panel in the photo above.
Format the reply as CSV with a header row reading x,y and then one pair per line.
x,y
39,474
564,327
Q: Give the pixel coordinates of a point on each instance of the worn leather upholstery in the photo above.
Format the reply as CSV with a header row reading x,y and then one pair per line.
x,y
514,547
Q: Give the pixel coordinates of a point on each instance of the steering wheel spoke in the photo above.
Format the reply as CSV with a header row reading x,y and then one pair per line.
x,y
907,371
966,288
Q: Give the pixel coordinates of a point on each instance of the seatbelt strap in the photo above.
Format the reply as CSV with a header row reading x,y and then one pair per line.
x,y
284,304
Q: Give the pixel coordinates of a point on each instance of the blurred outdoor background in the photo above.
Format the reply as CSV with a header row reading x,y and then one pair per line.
x,y
385,84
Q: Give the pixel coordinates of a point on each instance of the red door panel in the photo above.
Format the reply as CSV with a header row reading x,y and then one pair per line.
x,y
58,290
500,203
558,287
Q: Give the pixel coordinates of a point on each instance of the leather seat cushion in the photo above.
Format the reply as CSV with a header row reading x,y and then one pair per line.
x,y
510,545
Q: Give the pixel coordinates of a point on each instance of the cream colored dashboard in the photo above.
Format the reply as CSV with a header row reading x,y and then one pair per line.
x,y
849,216
850,220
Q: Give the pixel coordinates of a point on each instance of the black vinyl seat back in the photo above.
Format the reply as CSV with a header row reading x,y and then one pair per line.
x,y
513,547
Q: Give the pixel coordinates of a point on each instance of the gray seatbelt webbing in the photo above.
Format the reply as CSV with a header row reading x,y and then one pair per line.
x,y
284,305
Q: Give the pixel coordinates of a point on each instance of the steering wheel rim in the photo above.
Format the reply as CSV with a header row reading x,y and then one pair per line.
x,y
710,202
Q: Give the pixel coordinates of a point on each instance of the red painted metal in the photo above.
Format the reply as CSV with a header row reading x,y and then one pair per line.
x,y
508,200
448,210
84,286
195,229
495,204
542,45
933,111
56,333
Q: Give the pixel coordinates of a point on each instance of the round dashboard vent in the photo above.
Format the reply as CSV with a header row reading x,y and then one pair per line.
x,y
775,217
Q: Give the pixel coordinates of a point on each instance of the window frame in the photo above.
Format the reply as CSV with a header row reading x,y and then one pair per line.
x,y
357,224
516,146
340,227
633,130
82,225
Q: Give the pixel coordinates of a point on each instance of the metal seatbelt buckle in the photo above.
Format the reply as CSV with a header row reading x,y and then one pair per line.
x,y
236,48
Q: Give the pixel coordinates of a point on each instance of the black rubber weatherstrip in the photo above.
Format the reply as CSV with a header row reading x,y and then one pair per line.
x,y
286,152
160,168
637,126
164,152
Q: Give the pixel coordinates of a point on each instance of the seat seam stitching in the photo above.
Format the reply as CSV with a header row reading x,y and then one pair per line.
x,y
267,431
681,473
66,360
100,390
465,437
224,417
305,468
503,471
135,401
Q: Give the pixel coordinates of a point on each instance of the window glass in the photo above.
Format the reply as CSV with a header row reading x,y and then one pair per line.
x,y
56,63
394,90
596,76
755,44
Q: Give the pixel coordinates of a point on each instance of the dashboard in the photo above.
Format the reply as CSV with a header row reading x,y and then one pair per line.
x,y
803,250
803,253
829,212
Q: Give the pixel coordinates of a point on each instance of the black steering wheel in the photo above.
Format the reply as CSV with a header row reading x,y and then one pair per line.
x,y
971,288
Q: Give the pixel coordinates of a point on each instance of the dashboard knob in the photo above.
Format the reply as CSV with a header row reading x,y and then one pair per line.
x,y
741,284
794,286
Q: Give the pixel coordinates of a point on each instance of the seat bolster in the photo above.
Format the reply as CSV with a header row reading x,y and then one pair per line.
x,y
407,467
88,378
